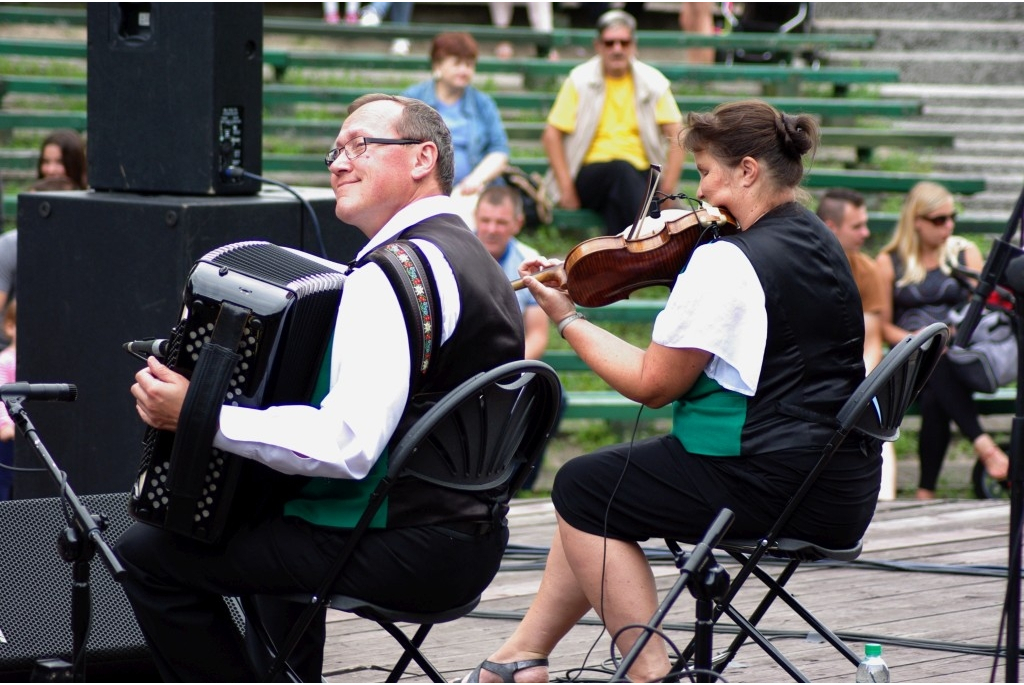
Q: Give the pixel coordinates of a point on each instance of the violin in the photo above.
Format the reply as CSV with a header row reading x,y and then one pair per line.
x,y
607,269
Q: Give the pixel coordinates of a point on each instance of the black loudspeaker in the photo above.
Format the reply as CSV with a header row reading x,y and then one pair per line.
x,y
35,602
97,270
175,95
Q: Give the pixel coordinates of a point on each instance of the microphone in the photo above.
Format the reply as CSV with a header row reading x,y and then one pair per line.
x,y
152,347
44,392
233,173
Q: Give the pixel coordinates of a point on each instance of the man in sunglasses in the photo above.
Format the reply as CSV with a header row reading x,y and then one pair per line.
x,y
612,119
391,168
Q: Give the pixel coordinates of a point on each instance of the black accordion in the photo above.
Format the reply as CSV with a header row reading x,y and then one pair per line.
x,y
255,325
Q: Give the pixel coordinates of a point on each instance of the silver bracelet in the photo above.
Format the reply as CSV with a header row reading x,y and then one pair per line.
x,y
568,320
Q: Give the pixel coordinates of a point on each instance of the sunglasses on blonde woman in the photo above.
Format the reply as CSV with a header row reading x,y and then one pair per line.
x,y
939,220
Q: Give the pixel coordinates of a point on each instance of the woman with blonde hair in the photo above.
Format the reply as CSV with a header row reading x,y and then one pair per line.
x,y
917,270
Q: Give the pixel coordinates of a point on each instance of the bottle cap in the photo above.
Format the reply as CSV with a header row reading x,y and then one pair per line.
x,y
873,649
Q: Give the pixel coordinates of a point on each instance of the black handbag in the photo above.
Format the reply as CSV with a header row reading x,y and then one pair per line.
x,y
990,359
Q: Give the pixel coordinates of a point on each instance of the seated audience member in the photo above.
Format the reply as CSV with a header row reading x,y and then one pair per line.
x,y
844,211
62,154
399,13
916,267
846,214
9,244
613,117
698,17
9,239
541,16
761,338
481,146
499,218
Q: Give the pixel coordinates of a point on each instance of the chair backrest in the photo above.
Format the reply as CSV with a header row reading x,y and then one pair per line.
x,y
876,408
486,434
894,384
483,436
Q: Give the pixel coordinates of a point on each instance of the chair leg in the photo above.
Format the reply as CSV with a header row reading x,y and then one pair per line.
x,y
412,653
762,607
748,629
809,618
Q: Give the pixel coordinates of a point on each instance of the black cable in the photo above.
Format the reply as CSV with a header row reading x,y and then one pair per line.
x,y
604,524
233,172
21,469
730,629
532,559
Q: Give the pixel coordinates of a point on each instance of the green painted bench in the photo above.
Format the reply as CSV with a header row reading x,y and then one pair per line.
x,y
865,181
276,94
281,60
610,405
540,102
559,37
775,79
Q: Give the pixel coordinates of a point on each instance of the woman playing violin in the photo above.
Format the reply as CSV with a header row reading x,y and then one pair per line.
x,y
761,341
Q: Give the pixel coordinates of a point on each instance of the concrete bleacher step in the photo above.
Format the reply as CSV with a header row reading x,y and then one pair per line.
x,y
964,61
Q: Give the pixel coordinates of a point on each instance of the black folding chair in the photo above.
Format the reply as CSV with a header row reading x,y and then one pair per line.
x,y
875,409
484,436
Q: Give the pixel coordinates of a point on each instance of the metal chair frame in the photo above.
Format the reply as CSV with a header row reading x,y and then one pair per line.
x,y
875,409
485,436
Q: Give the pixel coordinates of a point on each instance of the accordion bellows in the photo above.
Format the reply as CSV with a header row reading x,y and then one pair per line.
x,y
257,319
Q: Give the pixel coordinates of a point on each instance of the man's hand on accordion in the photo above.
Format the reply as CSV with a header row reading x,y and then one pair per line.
x,y
159,394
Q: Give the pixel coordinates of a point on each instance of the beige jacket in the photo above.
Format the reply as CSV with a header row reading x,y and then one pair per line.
x,y
649,85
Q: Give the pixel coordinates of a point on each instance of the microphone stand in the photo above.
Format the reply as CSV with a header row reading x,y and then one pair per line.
x,y
77,545
1005,266
703,581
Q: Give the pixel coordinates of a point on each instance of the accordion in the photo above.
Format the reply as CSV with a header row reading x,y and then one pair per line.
x,y
255,325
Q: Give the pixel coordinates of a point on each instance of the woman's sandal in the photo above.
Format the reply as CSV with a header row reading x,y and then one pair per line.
x,y
995,461
507,672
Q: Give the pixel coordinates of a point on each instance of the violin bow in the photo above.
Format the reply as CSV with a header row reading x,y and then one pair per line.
x,y
652,186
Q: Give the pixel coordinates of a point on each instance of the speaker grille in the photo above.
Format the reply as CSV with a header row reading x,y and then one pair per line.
x,y
35,595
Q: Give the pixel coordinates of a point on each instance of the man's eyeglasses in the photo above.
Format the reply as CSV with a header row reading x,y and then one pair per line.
x,y
357,146
624,42
940,220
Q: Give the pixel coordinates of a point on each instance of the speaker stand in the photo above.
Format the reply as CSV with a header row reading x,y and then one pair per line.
x,y
77,545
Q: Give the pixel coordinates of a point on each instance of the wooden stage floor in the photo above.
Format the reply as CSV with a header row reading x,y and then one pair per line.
x,y
929,586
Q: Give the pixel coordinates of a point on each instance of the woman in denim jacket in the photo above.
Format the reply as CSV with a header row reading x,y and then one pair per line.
x,y
481,145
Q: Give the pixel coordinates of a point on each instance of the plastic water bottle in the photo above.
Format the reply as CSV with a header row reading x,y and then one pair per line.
x,y
872,669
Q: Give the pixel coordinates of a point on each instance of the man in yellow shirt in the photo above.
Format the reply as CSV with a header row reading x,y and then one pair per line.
x,y
613,117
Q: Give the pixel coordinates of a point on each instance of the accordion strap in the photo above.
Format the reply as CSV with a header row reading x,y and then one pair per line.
x,y
197,423
409,273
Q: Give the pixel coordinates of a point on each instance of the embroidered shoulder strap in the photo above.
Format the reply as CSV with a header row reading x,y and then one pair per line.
x,y
413,281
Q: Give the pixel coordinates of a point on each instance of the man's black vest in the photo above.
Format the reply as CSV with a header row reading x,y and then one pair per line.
x,y
489,333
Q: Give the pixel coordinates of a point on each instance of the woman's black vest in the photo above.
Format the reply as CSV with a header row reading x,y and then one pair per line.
x,y
813,359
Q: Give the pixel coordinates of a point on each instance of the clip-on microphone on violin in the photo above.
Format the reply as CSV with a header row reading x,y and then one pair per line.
x,y
237,172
